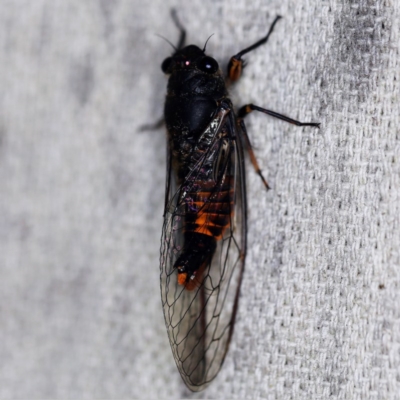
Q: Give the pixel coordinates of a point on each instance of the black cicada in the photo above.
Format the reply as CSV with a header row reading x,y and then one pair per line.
x,y
203,244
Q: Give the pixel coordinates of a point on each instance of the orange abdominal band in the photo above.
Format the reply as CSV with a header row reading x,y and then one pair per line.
x,y
214,217
206,224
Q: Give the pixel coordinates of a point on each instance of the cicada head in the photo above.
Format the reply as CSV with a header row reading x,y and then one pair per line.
x,y
190,58
192,72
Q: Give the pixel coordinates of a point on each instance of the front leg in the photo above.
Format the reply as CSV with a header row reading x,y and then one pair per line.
x,y
236,64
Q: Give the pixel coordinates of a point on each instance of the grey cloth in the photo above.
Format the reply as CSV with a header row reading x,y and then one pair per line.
x,y
82,193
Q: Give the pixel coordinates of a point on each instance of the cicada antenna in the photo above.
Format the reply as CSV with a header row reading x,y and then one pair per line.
x,y
204,49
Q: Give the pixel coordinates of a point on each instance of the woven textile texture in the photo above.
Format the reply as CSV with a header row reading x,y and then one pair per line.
x,y
82,192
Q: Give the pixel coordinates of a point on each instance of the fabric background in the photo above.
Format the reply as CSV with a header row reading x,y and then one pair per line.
x,y
82,194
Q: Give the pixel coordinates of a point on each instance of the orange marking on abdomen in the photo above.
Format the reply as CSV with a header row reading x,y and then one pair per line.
x,y
212,224
182,276
213,211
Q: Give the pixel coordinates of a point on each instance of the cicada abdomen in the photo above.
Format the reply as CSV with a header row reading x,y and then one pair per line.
x,y
209,205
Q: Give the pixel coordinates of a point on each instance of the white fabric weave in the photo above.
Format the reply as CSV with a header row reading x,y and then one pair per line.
x,y
82,193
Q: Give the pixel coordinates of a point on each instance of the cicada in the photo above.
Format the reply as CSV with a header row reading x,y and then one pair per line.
x,y
203,244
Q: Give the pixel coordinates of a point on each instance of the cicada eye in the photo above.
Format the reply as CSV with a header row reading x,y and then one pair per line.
x,y
165,66
207,64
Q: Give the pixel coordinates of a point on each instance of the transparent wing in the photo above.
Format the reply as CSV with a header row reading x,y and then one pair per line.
x,y
200,321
